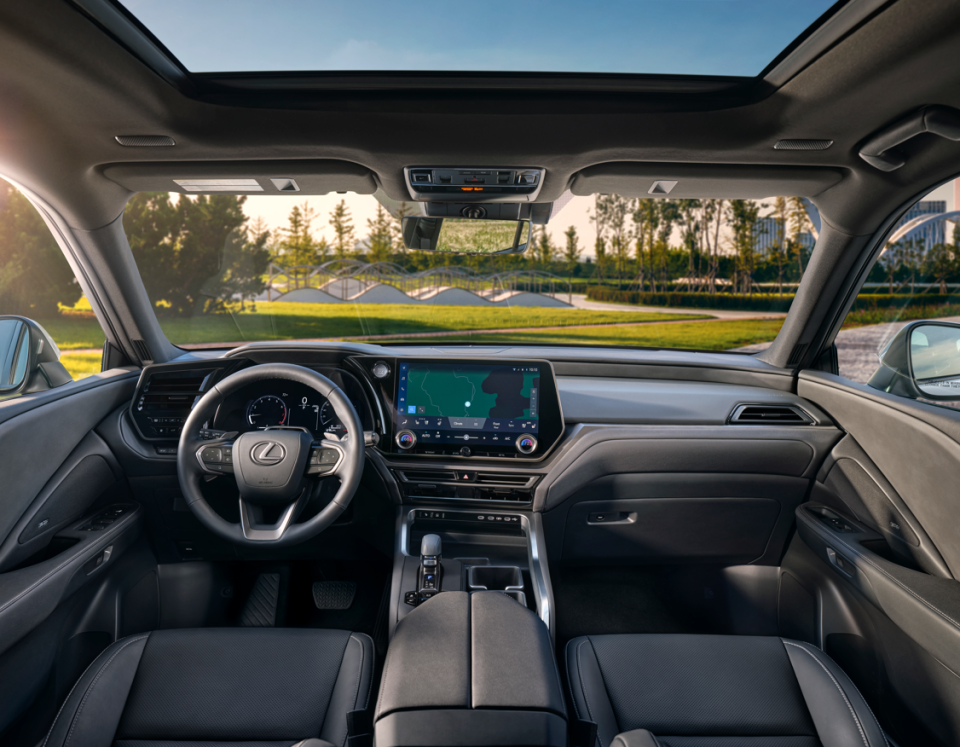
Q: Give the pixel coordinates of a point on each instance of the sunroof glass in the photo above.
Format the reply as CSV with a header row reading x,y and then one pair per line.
x,y
690,37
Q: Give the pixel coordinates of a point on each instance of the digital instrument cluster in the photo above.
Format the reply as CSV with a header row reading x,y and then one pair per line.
x,y
273,403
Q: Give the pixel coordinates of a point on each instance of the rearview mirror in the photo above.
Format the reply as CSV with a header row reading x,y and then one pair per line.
x,y
29,359
922,361
466,236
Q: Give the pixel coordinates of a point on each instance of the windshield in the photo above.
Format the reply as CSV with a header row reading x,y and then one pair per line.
x,y
606,270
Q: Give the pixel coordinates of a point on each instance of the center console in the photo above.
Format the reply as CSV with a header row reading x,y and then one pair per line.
x,y
471,670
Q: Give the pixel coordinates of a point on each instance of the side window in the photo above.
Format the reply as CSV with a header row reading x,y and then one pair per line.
x,y
37,282
902,335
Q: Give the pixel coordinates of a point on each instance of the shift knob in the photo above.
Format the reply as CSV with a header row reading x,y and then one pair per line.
x,y
430,546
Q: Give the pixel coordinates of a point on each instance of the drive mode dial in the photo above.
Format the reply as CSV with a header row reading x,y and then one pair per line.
x,y
526,444
406,440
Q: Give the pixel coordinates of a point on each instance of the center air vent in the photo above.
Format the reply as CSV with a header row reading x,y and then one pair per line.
x,y
769,414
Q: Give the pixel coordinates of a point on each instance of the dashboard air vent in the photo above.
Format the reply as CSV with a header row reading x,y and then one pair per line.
x,y
165,400
429,475
767,414
496,478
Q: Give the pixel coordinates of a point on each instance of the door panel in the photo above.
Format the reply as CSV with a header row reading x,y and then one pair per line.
x,y
887,602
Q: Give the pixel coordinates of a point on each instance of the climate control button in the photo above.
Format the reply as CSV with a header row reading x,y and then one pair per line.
x,y
406,440
526,444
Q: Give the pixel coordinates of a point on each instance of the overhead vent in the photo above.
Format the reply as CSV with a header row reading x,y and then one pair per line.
x,y
164,400
769,414
145,141
803,144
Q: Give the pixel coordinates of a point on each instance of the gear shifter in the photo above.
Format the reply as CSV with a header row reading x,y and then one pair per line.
x,y
431,570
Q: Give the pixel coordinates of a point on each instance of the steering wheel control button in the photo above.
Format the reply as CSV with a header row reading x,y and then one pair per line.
x,y
212,454
406,440
526,444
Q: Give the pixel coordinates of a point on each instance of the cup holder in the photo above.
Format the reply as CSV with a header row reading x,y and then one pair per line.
x,y
494,578
517,596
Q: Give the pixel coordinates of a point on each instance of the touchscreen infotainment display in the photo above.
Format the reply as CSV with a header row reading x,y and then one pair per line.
x,y
474,404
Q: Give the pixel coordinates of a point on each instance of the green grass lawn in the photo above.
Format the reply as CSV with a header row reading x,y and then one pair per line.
x,y
721,335
78,330
292,321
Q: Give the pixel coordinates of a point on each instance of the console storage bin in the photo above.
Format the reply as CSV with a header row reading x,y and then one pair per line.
x,y
470,670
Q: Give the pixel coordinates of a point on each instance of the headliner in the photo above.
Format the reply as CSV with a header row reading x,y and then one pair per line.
x,y
70,86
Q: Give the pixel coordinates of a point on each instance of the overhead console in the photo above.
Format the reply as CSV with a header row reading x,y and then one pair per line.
x,y
473,184
472,408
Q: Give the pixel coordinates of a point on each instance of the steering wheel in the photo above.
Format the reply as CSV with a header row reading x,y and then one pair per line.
x,y
277,468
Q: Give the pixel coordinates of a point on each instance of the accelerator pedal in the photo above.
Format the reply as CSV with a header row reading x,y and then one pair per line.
x,y
260,611
334,595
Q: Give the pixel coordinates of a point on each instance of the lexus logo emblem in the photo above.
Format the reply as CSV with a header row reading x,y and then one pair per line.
x,y
267,453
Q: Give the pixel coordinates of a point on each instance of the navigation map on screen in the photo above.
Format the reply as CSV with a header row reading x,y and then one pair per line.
x,y
437,398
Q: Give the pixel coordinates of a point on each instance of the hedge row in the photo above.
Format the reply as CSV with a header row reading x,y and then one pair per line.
x,y
758,301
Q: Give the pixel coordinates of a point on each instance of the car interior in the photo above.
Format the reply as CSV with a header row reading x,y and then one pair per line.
x,y
434,543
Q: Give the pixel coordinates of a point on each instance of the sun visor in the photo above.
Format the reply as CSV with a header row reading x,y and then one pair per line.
x,y
245,178
702,181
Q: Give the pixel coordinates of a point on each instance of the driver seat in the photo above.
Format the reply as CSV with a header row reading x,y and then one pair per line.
x,y
219,688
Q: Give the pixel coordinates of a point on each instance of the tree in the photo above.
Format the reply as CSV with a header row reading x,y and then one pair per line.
x,y
690,226
152,224
571,251
940,263
381,236
799,224
298,249
599,218
780,246
543,249
34,275
244,261
345,241
742,216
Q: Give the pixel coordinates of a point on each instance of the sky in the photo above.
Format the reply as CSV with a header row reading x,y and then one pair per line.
x,y
695,37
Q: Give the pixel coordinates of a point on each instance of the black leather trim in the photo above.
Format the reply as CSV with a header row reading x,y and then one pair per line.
x,y
90,714
352,690
588,693
211,688
471,728
839,712
814,697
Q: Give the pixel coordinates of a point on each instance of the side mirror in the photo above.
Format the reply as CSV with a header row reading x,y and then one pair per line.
x,y
466,235
29,358
922,361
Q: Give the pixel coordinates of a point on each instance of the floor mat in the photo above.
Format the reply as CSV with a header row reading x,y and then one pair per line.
x,y
260,611
334,595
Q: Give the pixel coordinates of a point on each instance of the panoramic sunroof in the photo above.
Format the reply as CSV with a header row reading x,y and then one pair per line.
x,y
688,37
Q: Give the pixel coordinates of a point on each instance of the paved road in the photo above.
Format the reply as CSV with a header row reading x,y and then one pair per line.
x,y
581,302
857,348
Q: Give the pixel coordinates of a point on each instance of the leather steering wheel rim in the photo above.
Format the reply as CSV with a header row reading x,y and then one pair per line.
x,y
349,470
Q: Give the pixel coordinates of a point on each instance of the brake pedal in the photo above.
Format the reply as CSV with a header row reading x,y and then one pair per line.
x,y
260,611
334,595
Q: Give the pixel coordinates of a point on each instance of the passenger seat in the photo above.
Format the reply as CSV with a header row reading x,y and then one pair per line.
x,y
715,691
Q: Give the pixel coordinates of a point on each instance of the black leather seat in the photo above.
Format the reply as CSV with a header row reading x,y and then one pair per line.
x,y
219,687
715,691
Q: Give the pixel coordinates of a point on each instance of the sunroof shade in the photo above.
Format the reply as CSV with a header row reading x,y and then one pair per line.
x,y
691,37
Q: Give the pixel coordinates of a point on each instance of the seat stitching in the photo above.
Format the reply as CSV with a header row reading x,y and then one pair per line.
x,y
64,705
834,680
93,684
875,720
346,732
573,698
584,690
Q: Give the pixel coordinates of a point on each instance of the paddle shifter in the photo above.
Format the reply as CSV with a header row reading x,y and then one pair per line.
x,y
431,570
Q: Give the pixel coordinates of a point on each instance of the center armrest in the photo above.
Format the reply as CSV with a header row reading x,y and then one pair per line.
x,y
476,656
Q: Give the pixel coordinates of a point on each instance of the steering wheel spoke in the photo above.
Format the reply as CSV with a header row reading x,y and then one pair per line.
x,y
251,518
216,456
